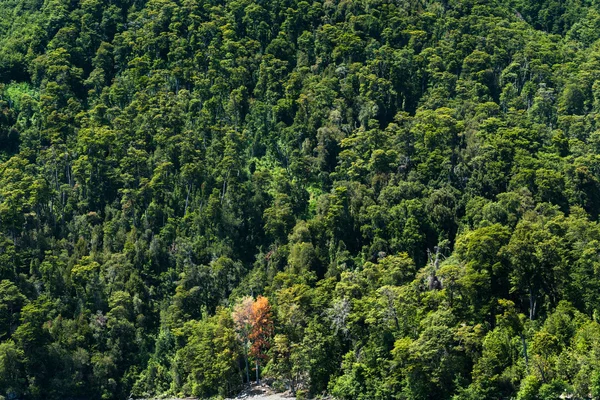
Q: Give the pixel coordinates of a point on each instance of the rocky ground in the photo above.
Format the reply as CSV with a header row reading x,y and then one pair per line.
x,y
262,392
255,392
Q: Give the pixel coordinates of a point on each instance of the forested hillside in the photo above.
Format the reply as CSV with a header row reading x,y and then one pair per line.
x,y
373,199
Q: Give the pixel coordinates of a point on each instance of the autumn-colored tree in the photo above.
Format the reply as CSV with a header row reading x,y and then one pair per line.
x,y
253,321
262,330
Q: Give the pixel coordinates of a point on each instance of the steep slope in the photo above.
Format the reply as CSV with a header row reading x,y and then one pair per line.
x,y
413,186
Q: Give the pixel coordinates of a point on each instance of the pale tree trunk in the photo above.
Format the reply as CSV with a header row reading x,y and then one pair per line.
x,y
532,304
257,380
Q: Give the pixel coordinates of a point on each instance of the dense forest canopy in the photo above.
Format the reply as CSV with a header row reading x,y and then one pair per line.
x,y
374,199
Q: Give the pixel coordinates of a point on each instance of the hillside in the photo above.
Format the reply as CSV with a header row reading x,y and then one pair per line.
x,y
369,199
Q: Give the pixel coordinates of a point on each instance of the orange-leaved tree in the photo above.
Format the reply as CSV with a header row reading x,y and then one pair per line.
x,y
254,326
262,330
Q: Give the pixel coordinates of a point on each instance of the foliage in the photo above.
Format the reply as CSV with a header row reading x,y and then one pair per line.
x,y
369,199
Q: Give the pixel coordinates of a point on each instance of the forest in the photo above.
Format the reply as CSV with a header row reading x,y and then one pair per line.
x,y
359,199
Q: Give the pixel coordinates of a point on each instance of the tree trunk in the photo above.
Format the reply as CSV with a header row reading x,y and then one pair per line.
x,y
247,368
257,380
532,304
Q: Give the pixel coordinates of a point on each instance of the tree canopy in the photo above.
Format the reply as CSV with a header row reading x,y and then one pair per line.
x,y
369,199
